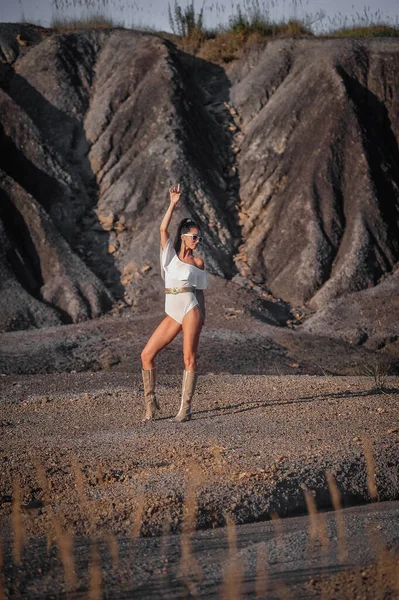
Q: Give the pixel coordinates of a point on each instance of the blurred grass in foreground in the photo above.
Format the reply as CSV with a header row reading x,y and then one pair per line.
x,y
94,581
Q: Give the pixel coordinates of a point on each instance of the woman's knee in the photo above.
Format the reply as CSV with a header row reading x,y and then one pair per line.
x,y
147,356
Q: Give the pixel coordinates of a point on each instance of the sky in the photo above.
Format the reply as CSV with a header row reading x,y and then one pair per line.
x,y
154,13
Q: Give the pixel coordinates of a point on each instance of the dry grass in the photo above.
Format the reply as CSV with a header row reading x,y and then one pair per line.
x,y
337,505
365,23
164,545
95,21
192,43
84,501
2,588
138,516
95,578
312,512
44,486
371,31
65,547
279,587
233,572
370,466
387,564
113,550
63,539
317,527
190,573
17,524
378,372
252,24
279,532
262,572
227,47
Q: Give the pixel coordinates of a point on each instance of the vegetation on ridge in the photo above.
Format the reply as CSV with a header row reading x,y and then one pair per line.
x,y
97,21
252,24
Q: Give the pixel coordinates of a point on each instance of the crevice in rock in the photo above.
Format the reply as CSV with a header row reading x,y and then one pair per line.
x,y
207,139
382,153
72,206
21,252
39,184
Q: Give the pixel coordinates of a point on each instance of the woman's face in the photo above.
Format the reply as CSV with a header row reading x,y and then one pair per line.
x,y
192,238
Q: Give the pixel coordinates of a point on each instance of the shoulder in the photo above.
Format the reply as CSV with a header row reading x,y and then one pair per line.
x,y
199,262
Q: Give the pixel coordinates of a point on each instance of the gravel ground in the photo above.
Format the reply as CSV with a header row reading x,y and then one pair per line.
x,y
269,420
253,444
89,469
243,335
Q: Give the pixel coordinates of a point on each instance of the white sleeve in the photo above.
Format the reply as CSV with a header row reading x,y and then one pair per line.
x,y
202,279
166,255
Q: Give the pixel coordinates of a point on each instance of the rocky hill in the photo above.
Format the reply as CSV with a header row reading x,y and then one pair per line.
x,y
289,158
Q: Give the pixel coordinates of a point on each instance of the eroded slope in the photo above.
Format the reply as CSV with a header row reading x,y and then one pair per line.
x,y
290,161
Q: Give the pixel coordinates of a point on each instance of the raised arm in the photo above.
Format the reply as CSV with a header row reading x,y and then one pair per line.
x,y
174,199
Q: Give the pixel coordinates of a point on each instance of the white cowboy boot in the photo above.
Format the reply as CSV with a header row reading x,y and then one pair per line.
x,y
188,389
151,402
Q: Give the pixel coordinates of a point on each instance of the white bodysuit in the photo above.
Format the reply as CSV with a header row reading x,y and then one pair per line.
x,y
177,273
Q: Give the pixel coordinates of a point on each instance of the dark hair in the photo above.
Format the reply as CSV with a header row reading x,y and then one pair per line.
x,y
184,227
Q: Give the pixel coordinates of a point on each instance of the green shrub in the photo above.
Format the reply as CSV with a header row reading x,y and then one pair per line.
x,y
184,21
363,24
255,19
250,19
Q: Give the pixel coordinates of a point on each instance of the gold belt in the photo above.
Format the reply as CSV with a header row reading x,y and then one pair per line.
x,y
179,290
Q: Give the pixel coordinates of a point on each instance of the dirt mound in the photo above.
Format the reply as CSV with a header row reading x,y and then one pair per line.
x,y
319,167
369,317
290,161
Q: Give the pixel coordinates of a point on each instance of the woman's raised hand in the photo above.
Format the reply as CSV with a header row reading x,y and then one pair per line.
x,y
175,194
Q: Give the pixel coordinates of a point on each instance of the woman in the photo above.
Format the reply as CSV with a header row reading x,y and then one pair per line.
x,y
185,279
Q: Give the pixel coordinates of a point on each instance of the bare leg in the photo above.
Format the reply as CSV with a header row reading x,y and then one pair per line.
x,y
192,325
166,331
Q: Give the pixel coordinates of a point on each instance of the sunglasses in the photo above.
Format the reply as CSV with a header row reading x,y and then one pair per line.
x,y
196,238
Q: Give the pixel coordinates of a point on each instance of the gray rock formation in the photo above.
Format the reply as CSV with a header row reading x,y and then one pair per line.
x,y
319,167
289,160
95,127
369,317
